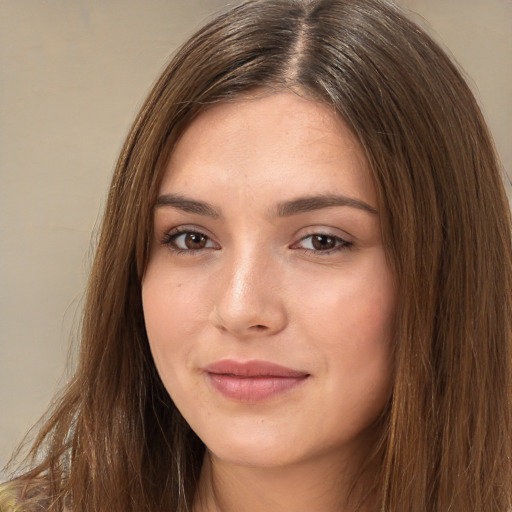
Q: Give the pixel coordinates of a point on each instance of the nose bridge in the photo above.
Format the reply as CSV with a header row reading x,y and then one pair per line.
x,y
249,299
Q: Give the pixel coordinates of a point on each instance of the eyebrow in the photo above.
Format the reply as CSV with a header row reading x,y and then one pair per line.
x,y
311,203
187,205
282,209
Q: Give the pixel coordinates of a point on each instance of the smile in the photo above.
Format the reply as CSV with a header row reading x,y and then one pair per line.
x,y
252,381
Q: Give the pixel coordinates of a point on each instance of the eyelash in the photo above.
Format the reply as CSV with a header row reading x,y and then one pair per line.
x,y
340,244
170,238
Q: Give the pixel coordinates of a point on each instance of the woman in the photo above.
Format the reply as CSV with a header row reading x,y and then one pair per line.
x,y
301,298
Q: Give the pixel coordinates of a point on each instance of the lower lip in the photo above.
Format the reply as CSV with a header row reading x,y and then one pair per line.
x,y
253,389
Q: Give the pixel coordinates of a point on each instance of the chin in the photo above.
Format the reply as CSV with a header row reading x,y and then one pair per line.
x,y
261,443
254,455
244,445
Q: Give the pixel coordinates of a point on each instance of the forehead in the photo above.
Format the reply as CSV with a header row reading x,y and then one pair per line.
x,y
277,143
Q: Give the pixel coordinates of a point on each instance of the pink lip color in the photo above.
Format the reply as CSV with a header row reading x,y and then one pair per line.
x,y
252,381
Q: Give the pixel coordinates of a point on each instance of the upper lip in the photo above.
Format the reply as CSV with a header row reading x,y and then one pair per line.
x,y
253,368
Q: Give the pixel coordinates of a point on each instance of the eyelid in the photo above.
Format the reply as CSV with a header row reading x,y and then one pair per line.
x,y
172,234
343,242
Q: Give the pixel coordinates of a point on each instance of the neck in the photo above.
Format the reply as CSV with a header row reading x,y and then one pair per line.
x,y
302,487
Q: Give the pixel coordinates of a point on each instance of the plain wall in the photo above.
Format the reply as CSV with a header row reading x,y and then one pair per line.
x,y
72,75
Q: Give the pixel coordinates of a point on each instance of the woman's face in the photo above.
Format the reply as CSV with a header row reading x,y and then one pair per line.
x,y
268,300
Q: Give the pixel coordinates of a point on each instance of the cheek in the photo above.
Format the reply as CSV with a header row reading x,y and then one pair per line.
x,y
361,360
354,305
350,319
359,343
169,307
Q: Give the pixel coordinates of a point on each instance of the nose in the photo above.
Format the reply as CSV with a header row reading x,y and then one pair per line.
x,y
250,300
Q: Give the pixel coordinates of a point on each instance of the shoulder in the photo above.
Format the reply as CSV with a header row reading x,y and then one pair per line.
x,y
8,497
24,496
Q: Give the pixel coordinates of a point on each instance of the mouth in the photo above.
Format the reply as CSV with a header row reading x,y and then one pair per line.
x,y
252,381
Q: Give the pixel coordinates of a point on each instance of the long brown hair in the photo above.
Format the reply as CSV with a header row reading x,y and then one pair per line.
x,y
115,441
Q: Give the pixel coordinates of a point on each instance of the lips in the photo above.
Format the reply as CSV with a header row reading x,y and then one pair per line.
x,y
252,381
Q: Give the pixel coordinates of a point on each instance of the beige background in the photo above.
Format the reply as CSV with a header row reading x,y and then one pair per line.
x,y
72,75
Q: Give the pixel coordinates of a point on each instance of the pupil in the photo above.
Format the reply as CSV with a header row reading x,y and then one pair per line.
x,y
195,241
323,242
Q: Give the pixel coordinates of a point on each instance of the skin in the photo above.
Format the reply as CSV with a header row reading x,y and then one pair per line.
x,y
259,288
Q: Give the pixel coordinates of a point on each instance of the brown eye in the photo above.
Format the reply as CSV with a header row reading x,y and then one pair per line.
x,y
323,242
189,241
195,241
